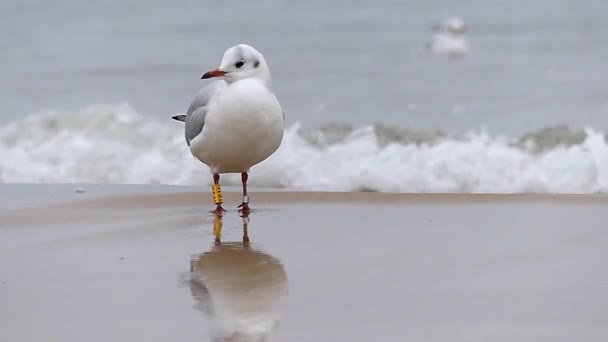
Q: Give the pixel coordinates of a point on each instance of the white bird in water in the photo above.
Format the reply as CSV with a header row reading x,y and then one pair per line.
x,y
235,122
450,38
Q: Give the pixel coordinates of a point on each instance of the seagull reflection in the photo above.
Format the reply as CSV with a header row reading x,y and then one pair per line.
x,y
239,288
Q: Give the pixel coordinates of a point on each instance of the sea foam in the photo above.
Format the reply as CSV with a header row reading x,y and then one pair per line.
x,y
115,144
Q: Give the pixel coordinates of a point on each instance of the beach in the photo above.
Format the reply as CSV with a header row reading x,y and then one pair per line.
x,y
116,262
442,172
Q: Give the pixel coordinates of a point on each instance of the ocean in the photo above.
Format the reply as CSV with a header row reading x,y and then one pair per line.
x,y
88,89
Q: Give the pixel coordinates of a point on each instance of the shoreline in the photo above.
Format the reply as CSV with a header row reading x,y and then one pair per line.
x,y
143,195
402,263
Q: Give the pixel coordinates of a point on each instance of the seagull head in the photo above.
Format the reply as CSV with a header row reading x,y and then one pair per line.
x,y
456,26
240,62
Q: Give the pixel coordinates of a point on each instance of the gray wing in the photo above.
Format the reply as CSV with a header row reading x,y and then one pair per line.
x,y
195,122
195,116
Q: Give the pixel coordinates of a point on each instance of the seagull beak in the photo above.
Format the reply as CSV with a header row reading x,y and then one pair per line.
x,y
213,73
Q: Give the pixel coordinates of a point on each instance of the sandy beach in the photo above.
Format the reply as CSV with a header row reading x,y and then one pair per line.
x,y
150,263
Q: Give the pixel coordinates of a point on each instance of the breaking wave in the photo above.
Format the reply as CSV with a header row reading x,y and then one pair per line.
x,y
115,144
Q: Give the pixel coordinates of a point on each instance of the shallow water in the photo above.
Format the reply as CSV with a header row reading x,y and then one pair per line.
x,y
500,271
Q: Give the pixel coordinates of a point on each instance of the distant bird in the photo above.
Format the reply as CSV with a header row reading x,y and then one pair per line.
x,y
236,122
449,38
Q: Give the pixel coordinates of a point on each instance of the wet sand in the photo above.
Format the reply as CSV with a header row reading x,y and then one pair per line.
x,y
149,263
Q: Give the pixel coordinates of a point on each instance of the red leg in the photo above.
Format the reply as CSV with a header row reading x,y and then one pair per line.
x,y
217,195
245,217
245,205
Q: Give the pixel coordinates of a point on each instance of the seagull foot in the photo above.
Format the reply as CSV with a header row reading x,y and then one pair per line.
x,y
219,210
244,208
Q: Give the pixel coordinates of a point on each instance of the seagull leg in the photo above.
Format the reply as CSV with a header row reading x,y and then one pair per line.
x,y
217,194
217,229
245,205
245,217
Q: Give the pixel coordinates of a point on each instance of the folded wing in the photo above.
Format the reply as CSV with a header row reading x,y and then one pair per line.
x,y
195,116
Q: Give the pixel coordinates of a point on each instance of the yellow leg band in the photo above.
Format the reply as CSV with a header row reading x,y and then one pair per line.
x,y
217,228
217,194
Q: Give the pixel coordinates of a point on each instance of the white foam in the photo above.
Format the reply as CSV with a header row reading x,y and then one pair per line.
x,y
114,144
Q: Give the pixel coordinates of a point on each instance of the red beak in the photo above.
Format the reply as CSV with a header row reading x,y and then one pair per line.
x,y
213,73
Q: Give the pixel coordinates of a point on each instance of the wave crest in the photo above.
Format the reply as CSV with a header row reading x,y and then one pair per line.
x,y
115,144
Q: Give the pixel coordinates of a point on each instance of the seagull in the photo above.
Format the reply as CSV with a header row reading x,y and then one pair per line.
x,y
236,121
450,38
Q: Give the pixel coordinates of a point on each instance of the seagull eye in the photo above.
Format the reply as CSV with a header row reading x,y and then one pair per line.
x,y
239,64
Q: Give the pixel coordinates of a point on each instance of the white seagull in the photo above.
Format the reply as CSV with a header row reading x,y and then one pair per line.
x,y
450,38
235,122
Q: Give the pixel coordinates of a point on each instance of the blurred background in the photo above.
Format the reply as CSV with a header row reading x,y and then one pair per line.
x,y
392,96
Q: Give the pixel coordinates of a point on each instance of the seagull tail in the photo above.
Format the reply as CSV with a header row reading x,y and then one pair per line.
x,y
179,117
